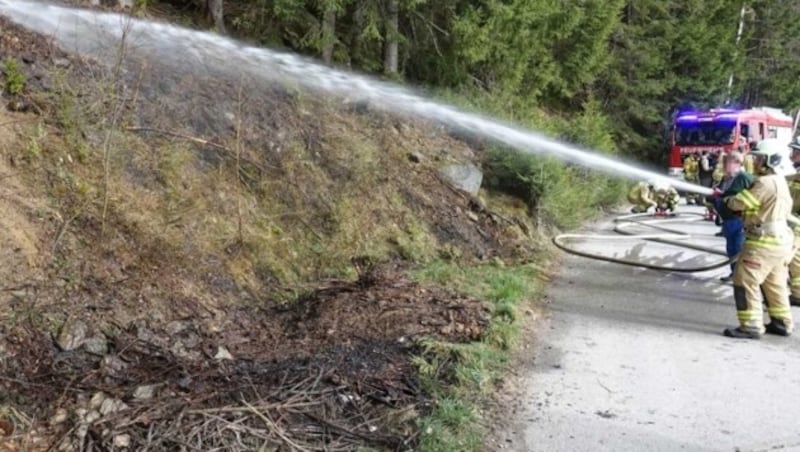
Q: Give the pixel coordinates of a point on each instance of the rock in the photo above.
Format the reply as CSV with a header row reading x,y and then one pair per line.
x,y
223,353
122,441
463,177
415,157
185,383
191,341
144,392
180,351
96,345
91,416
72,335
62,63
113,366
112,406
97,400
177,327
59,417
472,216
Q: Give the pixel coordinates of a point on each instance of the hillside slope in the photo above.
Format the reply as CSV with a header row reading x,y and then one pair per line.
x,y
220,245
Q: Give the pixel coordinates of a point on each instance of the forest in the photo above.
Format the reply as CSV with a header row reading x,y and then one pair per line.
x,y
625,67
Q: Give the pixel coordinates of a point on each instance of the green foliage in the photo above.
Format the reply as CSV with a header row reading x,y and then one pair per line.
x,y
639,60
458,374
34,148
448,428
770,53
664,55
557,192
14,77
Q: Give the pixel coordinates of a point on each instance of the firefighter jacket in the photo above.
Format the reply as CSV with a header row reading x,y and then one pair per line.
x,y
667,198
640,194
690,168
794,189
719,171
766,205
731,187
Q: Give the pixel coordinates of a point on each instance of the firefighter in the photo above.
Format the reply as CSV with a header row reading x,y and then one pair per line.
x,y
641,196
716,179
736,180
762,264
706,169
691,170
666,198
794,265
719,172
795,147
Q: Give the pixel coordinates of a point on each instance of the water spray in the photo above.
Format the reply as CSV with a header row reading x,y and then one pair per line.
x,y
99,33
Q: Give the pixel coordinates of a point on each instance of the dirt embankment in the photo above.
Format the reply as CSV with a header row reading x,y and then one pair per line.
x,y
148,243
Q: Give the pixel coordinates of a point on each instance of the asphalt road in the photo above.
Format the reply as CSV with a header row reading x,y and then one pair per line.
x,y
633,359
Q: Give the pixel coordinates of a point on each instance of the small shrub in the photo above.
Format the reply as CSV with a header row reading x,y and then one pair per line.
x,y
14,78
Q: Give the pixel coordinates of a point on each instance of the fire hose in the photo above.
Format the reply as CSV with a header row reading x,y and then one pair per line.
x,y
665,236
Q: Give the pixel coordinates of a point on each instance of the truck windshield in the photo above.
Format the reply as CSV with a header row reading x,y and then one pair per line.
x,y
699,134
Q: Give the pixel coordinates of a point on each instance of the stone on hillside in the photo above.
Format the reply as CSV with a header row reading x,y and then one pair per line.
x,y
72,336
467,177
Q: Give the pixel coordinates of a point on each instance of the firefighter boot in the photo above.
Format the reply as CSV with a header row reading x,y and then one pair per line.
x,y
777,327
739,333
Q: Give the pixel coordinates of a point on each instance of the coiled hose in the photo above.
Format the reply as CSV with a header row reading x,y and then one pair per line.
x,y
666,236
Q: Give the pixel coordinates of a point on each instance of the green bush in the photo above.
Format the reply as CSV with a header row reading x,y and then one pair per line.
x,y
14,78
557,192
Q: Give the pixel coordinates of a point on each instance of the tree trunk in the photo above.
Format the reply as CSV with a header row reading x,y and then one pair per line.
x,y
328,34
392,38
215,10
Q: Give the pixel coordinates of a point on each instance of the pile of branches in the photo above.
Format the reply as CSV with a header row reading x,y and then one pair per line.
x,y
144,398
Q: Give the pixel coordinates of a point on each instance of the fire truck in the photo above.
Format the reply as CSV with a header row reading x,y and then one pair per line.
x,y
723,130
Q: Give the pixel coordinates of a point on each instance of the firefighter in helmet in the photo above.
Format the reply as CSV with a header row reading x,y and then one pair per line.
x,y
666,198
691,172
763,262
641,196
794,265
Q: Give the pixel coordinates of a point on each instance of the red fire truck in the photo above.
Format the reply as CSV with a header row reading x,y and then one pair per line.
x,y
724,130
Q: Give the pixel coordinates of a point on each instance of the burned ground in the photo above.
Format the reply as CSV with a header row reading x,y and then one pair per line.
x,y
331,370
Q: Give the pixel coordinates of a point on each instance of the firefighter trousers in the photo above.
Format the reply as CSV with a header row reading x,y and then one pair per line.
x,y
693,179
794,268
762,267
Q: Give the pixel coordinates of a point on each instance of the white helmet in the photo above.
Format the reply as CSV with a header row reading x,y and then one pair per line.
x,y
658,185
773,150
